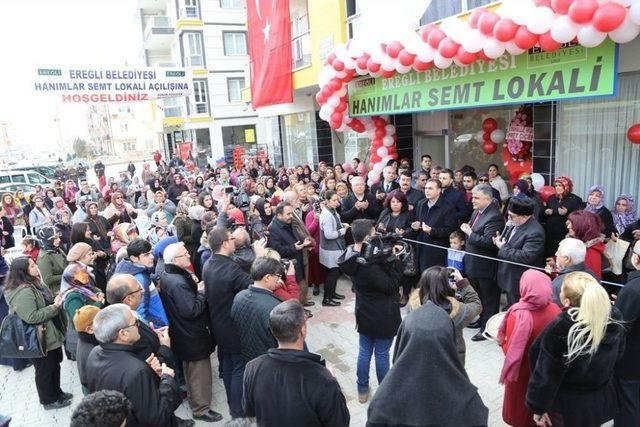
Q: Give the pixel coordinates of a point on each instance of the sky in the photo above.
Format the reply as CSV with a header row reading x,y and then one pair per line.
x,y
67,33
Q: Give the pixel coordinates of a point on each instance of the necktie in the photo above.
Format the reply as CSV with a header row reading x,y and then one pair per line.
x,y
476,219
386,188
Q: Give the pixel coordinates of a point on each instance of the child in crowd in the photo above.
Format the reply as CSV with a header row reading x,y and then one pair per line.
x,y
455,256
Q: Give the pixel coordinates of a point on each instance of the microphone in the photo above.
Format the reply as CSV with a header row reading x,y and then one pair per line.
x,y
508,227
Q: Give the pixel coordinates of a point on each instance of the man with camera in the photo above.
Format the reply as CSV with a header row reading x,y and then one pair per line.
x,y
377,280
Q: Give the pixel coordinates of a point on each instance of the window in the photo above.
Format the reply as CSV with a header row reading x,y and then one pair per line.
x,y
234,88
300,36
232,4
18,178
35,178
472,4
193,50
4,179
440,9
172,107
200,96
353,18
124,127
191,9
235,43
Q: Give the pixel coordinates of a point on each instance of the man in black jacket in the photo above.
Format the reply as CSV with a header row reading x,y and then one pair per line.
x,y
113,365
386,186
223,279
359,204
183,298
175,190
289,386
485,222
251,308
125,289
435,220
627,375
413,195
284,240
522,241
452,195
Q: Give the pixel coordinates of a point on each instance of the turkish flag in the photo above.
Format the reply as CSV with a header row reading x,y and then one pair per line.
x,y
269,52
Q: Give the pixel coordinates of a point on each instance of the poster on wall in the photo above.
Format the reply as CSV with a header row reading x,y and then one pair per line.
x,y
536,76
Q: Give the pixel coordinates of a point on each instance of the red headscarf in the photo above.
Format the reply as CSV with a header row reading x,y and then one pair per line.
x,y
566,183
535,294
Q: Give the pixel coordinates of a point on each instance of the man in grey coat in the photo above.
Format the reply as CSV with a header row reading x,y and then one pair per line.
x,y
569,258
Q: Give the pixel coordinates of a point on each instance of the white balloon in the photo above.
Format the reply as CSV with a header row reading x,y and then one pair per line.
x,y
377,168
494,48
369,125
328,111
362,71
634,13
520,11
382,151
373,173
410,40
454,28
390,129
347,119
625,3
590,37
341,92
498,136
425,53
402,69
473,40
626,32
537,180
333,101
385,160
563,29
387,141
479,136
388,63
513,48
540,20
442,62
341,74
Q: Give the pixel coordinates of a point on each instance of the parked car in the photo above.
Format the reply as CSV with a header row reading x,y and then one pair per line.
x,y
24,177
13,187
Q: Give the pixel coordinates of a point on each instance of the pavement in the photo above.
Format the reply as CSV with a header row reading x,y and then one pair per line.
x,y
331,333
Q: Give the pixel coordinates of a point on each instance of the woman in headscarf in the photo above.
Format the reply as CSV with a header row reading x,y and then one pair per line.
x,y
160,228
69,195
184,225
52,259
119,210
12,210
595,204
60,205
559,206
62,224
123,233
426,374
78,290
522,324
98,225
521,189
81,234
624,213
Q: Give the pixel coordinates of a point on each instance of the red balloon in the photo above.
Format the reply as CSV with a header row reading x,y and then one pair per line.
x,y
489,147
320,98
376,143
465,57
475,16
335,124
362,61
546,3
326,91
525,39
545,192
424,31
483,56
486,137
505,30
547,43
581,11
435,37
561,6
421,66
448,48
372,66
394,48
406,58
331,58
335,84
634,134
375,158
608,17
386,74
380,133
489,125
341,108
338,65
487,21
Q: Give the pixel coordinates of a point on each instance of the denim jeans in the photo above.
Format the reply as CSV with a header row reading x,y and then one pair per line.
x,y
232,374
368,345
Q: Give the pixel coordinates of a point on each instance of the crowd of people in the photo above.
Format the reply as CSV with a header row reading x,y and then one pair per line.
x,y
141,278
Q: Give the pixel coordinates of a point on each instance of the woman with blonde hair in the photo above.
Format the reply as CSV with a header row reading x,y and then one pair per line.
x,y
573,359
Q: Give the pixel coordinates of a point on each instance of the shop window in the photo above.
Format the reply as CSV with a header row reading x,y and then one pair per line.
x,y
234,43
300,139
239,137
592,145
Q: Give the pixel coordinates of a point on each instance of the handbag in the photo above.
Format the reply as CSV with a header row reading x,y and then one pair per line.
x,y
614,252
21,340
493,326
410,263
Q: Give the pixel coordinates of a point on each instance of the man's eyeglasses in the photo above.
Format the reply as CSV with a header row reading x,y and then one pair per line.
x,y
483,180
180,256
134,292
135,323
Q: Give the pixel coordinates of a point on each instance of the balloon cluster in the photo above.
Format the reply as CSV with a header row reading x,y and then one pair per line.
x,y
516,26
490,136
633,133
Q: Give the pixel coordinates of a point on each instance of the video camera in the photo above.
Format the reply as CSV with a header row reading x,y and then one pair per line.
x,y
238,197
379,249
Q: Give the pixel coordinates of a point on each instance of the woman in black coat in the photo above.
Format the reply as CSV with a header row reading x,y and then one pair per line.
x,y
559,206
572,373
397,218
595,204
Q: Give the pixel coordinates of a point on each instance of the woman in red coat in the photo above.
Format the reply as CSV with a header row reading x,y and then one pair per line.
x,y
316,270
588,227
521,326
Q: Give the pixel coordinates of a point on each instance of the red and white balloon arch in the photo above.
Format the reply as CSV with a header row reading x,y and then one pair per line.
x,y
515,27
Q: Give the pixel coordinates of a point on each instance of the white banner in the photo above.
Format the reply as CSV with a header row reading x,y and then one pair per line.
x,y
95,85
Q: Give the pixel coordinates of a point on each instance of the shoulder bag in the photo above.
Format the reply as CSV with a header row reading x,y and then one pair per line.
x,y
21,340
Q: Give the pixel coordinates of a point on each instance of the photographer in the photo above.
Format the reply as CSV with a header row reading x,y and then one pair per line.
x,y
377,306
244,254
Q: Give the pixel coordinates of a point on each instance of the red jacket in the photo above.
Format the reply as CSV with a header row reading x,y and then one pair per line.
x,y
288,290
593,259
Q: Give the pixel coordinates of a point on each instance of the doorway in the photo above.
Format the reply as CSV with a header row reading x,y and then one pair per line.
x,y
432,144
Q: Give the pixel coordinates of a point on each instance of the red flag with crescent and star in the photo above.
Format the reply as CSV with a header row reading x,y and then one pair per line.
x,y
269,52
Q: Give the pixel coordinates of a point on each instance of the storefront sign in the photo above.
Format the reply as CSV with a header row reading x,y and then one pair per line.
x,y
570,72
94,85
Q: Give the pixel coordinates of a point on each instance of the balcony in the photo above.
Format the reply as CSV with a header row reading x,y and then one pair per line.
x,y
301,51
158,33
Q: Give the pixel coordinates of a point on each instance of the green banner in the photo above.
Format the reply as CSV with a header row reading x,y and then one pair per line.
x,y
534,76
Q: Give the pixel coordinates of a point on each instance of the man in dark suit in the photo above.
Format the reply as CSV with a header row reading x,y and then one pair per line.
x,y
435,220
413,195
486,221
359,204
522,241
452,195
386,186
